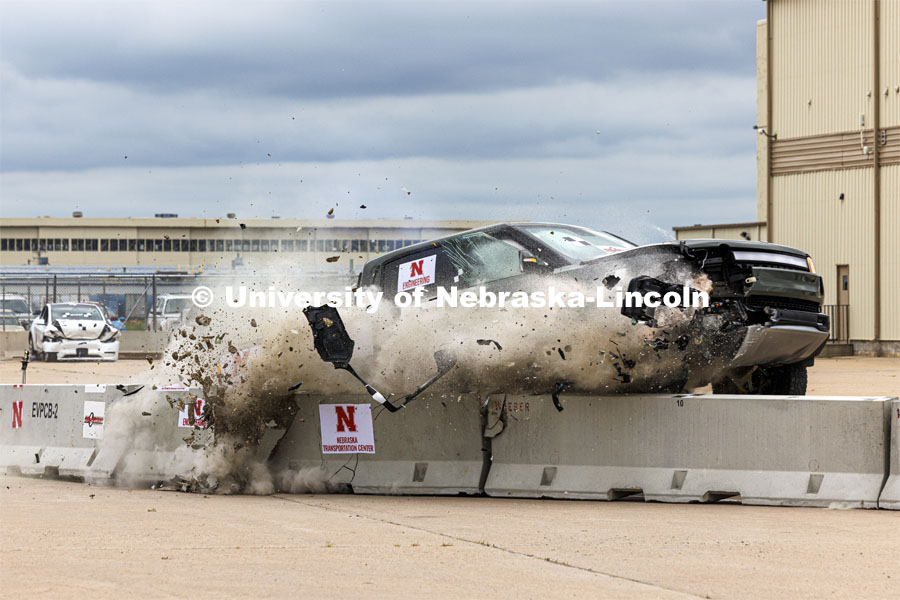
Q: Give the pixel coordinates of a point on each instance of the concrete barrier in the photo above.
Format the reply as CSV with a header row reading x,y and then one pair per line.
x,y
138,344
95,432
890,495
433,446
13,343
51,426
807,451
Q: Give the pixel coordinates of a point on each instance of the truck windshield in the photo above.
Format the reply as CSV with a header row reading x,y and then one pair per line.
x,y
577,243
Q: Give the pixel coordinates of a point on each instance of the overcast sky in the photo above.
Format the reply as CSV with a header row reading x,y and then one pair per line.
x,y
628,116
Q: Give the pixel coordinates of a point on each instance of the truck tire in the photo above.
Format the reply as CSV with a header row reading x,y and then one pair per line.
x,y
784,380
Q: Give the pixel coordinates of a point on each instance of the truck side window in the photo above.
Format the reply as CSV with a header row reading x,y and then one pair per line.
x,y
427,268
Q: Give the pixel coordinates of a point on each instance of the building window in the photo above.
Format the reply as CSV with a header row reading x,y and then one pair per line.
x,y
193,246
264,245
2,244
229,245
254,245
287,245
113,245
167,245
302,245
220,245
201,245
104,245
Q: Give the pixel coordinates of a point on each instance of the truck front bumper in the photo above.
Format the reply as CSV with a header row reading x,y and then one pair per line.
x,y
779,345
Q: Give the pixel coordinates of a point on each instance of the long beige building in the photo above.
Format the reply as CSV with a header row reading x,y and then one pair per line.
x,y
828,154
192,244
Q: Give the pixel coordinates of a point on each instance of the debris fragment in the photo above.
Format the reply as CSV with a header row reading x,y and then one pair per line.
x,y
488,343
332,258
203,320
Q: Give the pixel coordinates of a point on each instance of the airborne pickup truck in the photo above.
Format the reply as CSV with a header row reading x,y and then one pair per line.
x,y
762,329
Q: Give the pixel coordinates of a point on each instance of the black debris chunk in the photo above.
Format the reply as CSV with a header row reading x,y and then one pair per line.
x,y
488,343
610,281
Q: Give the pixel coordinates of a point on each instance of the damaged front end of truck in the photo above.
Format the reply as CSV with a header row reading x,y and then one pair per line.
x,y
765,303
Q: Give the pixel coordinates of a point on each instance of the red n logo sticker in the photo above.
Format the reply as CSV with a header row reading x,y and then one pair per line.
x,y
17,415
416,268
346,418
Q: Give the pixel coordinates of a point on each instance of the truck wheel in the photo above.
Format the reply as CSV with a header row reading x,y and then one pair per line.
x,y
786,380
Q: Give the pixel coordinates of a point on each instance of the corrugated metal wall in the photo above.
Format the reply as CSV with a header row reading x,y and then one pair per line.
x,y
889,35
821,66
890,252
755,232
809,214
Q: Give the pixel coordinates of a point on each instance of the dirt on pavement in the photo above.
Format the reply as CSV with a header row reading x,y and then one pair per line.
x,y
71,540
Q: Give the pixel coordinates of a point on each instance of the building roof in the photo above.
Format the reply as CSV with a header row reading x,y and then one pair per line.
x,y
226,223
716,225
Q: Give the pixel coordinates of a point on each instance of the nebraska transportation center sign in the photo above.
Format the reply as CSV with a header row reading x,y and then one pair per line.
x,y
347,429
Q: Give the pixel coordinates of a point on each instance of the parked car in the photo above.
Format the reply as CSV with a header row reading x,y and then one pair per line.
x,y
170,309
18,305
74,330
762,329
9,321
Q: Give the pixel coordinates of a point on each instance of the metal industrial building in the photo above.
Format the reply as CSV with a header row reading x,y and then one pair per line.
x,y
189,245
828,156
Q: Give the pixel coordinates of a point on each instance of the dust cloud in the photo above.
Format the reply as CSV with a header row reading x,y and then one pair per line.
x,y
245,364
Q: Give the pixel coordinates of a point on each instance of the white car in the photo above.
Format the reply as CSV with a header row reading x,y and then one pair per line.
x,y
170,309
17,305
74,330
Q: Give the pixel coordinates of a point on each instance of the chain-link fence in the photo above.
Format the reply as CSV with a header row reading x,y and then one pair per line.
x,y
129,298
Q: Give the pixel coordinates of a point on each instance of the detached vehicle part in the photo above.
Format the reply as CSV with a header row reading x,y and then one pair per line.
x,y
334,345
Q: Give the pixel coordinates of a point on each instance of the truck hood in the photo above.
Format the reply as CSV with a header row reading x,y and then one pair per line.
x,y
699,244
